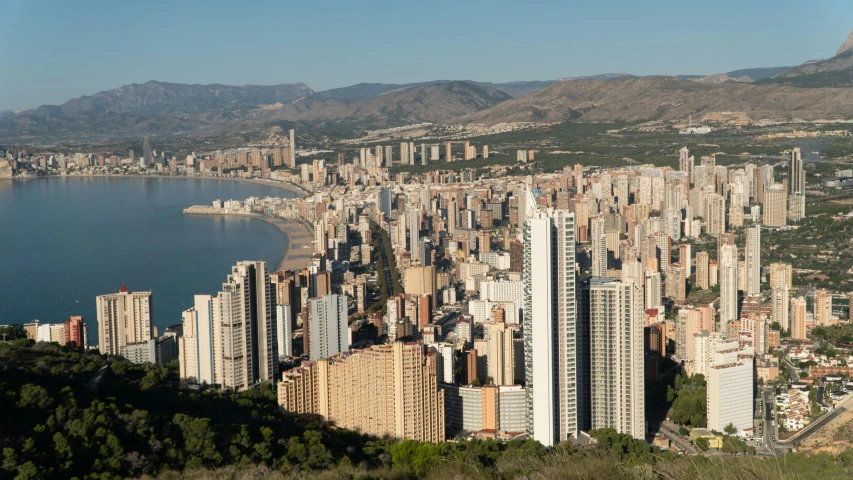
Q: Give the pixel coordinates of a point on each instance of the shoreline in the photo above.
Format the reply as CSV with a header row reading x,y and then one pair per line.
x,y
287,186
295,257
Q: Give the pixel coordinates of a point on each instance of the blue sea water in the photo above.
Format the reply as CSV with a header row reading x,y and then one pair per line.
x,y
65,240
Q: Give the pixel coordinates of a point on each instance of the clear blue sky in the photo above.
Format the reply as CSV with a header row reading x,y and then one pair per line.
x,y
52,51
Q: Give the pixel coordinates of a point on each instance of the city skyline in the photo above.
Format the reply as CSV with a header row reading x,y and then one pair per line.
x,y
611,39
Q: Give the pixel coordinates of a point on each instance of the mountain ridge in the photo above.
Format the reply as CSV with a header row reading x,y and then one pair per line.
x,y
666,99
157,108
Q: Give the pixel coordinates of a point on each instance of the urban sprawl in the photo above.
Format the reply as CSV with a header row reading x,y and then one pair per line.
x,y
447,304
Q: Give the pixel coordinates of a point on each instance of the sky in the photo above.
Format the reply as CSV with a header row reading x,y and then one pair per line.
x,y
55,50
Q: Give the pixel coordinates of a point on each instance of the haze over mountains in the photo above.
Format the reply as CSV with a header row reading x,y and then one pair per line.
x,y
166,109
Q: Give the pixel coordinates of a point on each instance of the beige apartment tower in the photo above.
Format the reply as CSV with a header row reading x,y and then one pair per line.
x,y
822,309
798,318
702,270
385,390
123,318
775,207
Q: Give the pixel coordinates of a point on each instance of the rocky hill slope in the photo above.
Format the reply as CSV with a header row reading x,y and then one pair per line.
x,y
665,98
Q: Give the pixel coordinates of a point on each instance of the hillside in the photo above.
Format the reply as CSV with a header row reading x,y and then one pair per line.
x,y
665,98
68,414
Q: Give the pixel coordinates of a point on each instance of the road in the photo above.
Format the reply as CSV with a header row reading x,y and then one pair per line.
x,y
812,429
670,430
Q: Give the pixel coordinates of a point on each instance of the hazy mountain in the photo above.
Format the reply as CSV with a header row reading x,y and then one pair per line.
x,y
161,97
364,91
757,74
834,72
433,103
170,109
665,98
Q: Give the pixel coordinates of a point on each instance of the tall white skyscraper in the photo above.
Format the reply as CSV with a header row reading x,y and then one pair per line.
x,y
652,290
730,386
245,312
780,312
284,330
599,247
414,233
685,162
123,318
198,346
327,333
728,284
554,359
753,260
614,312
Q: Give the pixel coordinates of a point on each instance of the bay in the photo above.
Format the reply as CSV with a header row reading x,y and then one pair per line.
x,y
64,240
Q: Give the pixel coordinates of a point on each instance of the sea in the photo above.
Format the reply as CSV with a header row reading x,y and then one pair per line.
x,y
65,240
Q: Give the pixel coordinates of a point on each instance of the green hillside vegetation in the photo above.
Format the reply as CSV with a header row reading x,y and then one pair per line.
x,y
72,415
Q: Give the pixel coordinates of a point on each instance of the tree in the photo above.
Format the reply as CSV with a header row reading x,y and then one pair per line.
x,y
730,429
10,460
34,396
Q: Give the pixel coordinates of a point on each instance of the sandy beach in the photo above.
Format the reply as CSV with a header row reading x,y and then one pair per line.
x,y
296,255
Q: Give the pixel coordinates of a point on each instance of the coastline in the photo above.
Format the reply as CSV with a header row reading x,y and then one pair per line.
x,y
295,256
290,187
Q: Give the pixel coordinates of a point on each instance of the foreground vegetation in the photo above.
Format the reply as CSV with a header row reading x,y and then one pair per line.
x,y
66,414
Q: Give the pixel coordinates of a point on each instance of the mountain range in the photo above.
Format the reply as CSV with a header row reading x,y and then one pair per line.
x,y
168,109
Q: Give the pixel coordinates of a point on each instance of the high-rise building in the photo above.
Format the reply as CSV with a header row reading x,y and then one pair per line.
x,y
652,290
685,259
715,215
500,353
685,162
327,330
781,273
752,259
76,333
774,207
292,158
383,201
599,247
613,310
796,206
244,311
123,318
796,174
728,284
198,346
730,385
822,308
798,318
147,154
686,326
385,390
702,270
780,307
284,325
404,153
556,369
